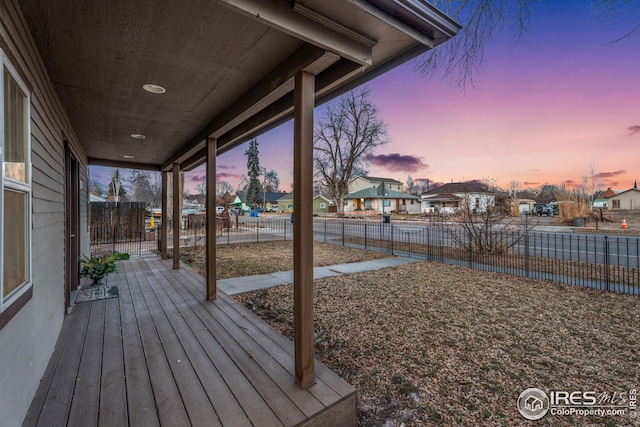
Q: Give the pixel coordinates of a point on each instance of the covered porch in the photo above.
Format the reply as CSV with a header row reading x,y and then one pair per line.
x,y
162,354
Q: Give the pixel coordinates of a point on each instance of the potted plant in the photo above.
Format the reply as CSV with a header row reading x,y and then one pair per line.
x,y
98,267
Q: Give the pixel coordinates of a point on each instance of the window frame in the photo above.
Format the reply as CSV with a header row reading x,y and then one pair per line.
x,y
10,304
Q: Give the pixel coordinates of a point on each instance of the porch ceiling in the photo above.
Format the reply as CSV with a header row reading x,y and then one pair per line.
x,y
227,65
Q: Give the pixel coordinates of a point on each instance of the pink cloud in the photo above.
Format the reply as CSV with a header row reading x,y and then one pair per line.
x,y
633,129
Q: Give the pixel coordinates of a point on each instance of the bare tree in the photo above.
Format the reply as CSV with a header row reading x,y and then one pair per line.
x,y
223,188
484,228
142,188
270,181
515,187
624,13
343,137
201,189
96,187
461,58
116,188
421,185
592,182
410,185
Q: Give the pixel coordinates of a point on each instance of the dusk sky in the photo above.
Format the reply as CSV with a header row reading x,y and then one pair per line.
x,y
545,107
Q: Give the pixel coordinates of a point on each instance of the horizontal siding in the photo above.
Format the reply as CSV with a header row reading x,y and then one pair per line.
x,y
28,340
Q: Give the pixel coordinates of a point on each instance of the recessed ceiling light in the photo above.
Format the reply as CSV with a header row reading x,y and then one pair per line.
x,y
137,136
128,157
150,87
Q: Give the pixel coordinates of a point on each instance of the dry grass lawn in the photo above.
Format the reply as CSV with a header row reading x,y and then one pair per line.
x,y
428,344
247,259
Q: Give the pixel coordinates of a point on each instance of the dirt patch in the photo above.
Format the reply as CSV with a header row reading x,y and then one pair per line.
x,y
430,344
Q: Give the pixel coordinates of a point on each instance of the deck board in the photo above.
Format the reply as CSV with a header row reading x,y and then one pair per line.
x,y
160,354
55,409
113,391
86,393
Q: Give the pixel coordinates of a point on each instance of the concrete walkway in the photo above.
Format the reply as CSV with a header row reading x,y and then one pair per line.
x,y
240,285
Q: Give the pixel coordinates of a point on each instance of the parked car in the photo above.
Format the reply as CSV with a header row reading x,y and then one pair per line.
x,y
272,209
544,209
237,210
219,210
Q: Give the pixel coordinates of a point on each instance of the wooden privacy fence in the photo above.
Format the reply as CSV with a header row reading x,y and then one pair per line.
x,y
117,226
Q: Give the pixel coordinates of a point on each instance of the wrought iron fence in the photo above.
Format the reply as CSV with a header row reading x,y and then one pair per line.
x,y
192,234
603,262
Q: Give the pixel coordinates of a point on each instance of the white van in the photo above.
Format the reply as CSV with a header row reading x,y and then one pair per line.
x,y
219,210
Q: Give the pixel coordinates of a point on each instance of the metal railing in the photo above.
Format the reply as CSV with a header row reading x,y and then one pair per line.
x,y
597,261
603,262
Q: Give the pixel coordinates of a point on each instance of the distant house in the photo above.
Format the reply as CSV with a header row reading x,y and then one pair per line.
x,y
321,204
628,200
96,198
603,200
450,197
268,200
372,198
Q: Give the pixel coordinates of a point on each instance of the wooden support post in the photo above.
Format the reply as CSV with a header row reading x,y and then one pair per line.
x,y
303,229
164,224
177,215
211,219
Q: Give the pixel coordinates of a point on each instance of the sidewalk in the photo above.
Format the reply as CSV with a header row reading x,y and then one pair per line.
x,y
240,285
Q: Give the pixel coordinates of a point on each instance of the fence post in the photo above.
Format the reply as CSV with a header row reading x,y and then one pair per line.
x,y
391,239
257,232
526,254
325,230
343,232
365,233
606,260
470,261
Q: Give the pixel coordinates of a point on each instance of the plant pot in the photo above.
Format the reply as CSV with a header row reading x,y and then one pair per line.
x,y
97,280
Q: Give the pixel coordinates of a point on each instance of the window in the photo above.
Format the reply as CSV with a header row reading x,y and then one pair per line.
x,y
15,203
615,204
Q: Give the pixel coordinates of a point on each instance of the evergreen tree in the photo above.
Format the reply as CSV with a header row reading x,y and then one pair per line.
x,y
253,170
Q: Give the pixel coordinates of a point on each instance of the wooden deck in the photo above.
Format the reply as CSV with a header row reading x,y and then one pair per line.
x,y
160,354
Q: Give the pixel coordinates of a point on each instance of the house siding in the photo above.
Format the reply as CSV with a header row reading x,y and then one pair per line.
x,y
628,200
360,183
28,339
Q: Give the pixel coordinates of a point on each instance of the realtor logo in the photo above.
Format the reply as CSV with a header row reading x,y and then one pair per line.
x,y
533,403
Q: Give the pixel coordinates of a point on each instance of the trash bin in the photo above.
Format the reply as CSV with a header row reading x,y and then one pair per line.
x,y
291,217
386,218
578,222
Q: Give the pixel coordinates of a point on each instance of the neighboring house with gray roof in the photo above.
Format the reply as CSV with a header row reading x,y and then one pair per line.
x,y
453,196
362,182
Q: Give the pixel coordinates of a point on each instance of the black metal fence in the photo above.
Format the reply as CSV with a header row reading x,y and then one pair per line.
x,y
146,241
596,261
603,262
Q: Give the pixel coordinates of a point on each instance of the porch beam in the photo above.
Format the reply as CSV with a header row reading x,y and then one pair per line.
x,y
177,215
324,33
211,219
303,229
164,224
